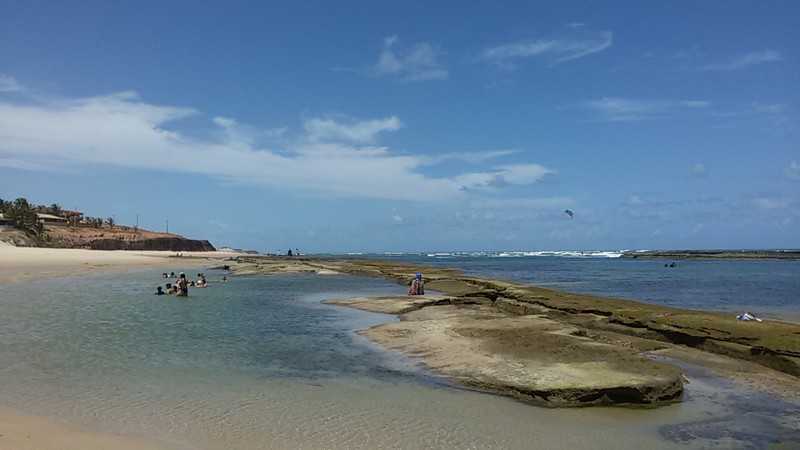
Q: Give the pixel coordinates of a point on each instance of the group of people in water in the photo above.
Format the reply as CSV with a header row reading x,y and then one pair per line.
x,y
180,286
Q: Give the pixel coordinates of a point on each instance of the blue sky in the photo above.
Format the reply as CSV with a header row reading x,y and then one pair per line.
x,y
353,126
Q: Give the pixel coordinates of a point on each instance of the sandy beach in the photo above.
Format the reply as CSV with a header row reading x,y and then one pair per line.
x,y
26,263
23,432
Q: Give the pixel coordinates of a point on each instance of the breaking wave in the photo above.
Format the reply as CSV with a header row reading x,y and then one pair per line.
x,y
524,254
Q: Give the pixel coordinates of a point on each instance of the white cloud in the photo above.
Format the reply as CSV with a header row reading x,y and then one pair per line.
x,y
747,60
793,170
469,157
355,131
524,203
10,84
771,202
698,169
635,200
418,63
555,51
236,132
627,109
516,174
330,157
769,108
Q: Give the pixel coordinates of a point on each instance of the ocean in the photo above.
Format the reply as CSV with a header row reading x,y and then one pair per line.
x,y
259,362
768,288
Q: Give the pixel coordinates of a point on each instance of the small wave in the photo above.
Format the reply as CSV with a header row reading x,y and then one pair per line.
x,y
523,254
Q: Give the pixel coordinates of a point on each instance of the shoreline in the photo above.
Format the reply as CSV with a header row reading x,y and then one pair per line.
x,y
538,328
18,264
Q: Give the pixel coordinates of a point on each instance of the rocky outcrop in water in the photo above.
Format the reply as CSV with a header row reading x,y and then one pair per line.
x,y
714,254
635,326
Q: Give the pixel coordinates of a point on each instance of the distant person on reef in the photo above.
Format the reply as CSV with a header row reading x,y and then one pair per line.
x,y
183,286
289,253
417,286
159,291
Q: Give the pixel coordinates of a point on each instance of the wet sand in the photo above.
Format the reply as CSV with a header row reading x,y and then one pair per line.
x,y
22,432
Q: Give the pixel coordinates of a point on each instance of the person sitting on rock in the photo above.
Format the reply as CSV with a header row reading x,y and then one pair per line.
x,y
417,285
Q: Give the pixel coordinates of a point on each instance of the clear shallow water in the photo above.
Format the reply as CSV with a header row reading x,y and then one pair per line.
x,y
260,363
768,288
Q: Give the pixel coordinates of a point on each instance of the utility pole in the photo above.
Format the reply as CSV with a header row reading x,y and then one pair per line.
x,y
167,226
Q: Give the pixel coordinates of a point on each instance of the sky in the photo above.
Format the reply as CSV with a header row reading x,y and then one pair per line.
x,y
410,126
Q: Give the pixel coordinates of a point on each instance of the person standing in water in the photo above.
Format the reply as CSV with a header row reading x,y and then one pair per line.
x,y
183,285
417,285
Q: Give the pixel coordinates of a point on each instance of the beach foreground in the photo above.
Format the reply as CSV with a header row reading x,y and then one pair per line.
x,y
23,432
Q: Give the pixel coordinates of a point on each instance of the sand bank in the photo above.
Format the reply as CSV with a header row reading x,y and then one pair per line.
x,y
26,263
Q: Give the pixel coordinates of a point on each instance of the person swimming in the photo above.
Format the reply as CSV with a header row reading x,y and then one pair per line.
x,y
417,285
159,291
172,274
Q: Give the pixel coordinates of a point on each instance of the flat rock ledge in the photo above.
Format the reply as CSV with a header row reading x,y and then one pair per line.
x,y
531,358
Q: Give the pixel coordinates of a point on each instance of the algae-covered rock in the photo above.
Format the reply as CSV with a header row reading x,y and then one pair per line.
x,y
530,358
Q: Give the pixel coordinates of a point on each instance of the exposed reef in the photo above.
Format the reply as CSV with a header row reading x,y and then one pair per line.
x,y
715,254
531,358
542,345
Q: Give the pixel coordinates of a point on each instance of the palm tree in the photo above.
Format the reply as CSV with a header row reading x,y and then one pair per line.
x,y
55,209
110,222
22,215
